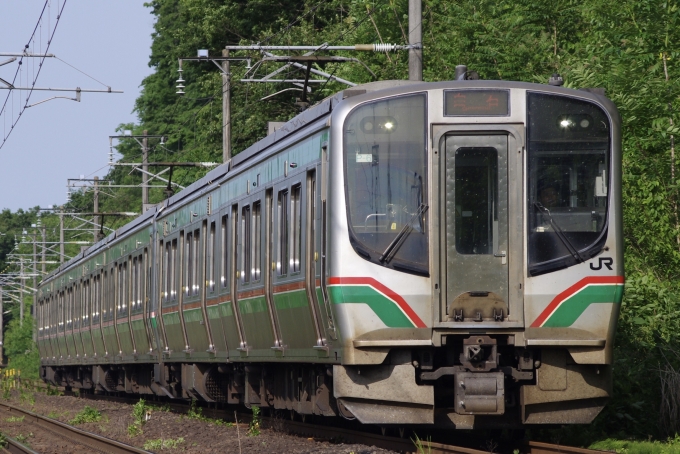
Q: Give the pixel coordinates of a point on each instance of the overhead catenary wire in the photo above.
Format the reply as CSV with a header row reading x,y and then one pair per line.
x,y
40,65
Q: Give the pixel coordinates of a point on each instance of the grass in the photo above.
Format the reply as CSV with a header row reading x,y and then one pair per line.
x,y
15,419
141,412
160,443
196,412
670,446
21,438
27,396
87,414
254,427
422,447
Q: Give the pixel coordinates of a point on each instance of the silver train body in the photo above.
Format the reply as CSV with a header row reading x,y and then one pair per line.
x,y
401,253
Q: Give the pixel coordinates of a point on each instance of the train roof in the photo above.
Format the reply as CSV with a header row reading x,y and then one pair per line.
x,y
307,117
301,121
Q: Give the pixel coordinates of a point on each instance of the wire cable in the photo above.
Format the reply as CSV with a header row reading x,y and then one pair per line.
x,y
42,61
82,72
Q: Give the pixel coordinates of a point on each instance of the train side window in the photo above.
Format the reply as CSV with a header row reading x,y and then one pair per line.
x,y
93,302
165,279
188,250
257,241
77,310
85,309
99,292
195,257
144,279
140,281
122,287
295,228
173,270
282,233
245,246
134,271
60,312
210,259
105,299
224,248
69,303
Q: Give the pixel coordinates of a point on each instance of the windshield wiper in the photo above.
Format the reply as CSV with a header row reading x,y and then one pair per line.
x,y
401,236
560,234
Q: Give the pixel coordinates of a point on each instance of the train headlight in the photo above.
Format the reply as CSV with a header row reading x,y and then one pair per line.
x,y
378,125
578,121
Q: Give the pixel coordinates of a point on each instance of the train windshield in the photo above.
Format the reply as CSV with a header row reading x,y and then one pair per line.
x,y
385,156
568,176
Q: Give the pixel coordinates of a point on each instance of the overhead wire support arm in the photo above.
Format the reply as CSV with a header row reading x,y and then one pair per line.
x,y
76,90
356,47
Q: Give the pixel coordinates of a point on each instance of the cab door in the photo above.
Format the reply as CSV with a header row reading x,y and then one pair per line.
x,y
481,219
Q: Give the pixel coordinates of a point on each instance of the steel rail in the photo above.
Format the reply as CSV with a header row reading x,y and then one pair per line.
x,y
537,447
73,434
14,447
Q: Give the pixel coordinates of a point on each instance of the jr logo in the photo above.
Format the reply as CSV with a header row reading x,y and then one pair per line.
x,y
606,261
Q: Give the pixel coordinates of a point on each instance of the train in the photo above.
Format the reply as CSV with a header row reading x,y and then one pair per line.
x,y
402,253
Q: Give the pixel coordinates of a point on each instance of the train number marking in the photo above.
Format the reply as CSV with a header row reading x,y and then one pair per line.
x,y
606,261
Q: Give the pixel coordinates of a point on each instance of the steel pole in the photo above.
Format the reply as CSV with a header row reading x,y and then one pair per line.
x,y
145,168
96,209
44,233
21,294
61,234
226,108
2,325
415,39
35,277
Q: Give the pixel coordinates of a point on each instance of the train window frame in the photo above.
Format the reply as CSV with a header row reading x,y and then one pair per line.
x,y
210,250
364,151
295,229
225,257
256,264
77,309
580,252
196,258
245,242
187,246
282,221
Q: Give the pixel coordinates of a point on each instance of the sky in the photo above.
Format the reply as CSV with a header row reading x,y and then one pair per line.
x,y
109,40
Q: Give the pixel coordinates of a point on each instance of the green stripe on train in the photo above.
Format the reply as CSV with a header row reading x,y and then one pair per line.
x,y
572,308
386,309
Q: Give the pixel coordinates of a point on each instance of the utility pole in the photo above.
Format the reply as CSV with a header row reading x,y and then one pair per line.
x,y
415,40
35,288
21,293
43,251
96,209
2,310
145,169
226,108
35,273
61,234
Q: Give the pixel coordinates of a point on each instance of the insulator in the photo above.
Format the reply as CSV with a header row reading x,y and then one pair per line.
x,y
384,47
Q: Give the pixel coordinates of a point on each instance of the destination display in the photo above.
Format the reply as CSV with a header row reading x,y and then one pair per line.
x,y
482,103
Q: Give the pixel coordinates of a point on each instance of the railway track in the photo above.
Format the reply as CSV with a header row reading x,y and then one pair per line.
x,y
14,447
328,432
86,441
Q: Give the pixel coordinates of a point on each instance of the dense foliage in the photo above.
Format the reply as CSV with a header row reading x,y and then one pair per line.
x,y
626,46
